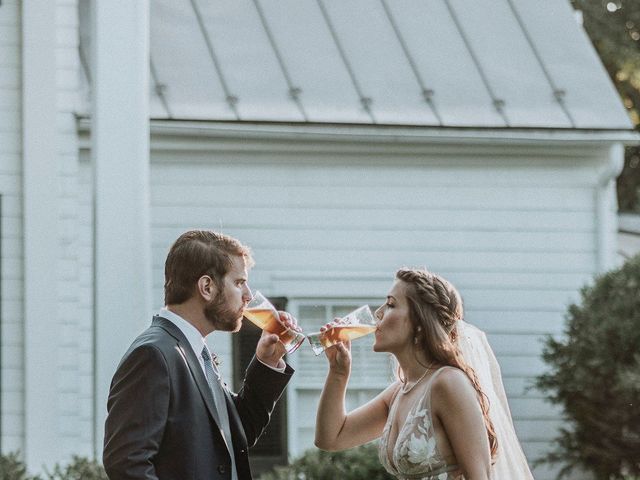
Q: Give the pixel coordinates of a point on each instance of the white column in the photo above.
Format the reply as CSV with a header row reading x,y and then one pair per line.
x,y
41,249
120,153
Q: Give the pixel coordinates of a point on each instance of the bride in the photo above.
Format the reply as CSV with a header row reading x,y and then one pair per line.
x,y
446,417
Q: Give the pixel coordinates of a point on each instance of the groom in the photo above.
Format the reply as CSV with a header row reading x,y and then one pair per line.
x,y
170,417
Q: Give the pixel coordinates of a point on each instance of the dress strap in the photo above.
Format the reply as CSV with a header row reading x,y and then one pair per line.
x,y
395,394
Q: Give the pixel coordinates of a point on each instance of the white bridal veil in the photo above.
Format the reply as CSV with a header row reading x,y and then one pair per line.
x,y
511,463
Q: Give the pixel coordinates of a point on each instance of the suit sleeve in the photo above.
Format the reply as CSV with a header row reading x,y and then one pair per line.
x,y
261,389
137,410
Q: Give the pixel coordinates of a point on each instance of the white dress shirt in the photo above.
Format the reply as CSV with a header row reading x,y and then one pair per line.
x,y
196,340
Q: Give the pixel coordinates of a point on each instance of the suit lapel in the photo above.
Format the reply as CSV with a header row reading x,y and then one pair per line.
x,y
194,366
187,353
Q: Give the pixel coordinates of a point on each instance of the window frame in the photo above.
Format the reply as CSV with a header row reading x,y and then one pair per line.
x,y
294,305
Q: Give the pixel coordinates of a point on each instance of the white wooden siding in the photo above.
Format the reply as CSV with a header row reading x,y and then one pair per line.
x,y
70,404
11,309
75,389
515,232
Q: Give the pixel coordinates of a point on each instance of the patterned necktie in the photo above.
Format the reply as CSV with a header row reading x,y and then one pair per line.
x,y
215,383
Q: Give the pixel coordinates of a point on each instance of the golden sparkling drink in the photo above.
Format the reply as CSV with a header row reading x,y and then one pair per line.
x,y
266,319
339,333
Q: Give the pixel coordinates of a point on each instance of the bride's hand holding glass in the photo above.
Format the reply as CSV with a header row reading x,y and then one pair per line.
x,y
339,355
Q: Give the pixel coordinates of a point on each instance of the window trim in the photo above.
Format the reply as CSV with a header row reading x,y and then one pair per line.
x,y
293,307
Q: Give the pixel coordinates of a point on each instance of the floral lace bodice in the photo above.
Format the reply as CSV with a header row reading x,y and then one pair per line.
x,y
415,453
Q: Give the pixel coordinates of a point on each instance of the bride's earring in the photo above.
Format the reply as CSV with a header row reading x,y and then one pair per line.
x,y
415,338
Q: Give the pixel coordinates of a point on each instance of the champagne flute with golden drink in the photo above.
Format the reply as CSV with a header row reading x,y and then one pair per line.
x,y
264,315
354,325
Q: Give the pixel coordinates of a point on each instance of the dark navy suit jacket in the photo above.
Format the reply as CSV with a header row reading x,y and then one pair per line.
x,y
162,420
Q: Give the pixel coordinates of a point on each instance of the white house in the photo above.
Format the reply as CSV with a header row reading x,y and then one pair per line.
x,y
340,139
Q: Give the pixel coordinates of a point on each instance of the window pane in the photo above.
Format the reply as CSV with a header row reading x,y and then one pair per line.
x,y
371,371
312,317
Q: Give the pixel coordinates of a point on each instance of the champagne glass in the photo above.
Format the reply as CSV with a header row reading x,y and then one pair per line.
x,y
354,325
264,315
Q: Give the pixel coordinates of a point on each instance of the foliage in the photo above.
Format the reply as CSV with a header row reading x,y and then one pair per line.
x,y
614,29
359,463
595,377
80,468
629,182
12,468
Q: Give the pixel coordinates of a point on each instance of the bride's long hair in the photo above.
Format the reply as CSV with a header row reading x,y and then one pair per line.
x,y
434,308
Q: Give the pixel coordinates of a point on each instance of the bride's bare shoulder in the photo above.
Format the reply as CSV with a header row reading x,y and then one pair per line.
x,y
452,384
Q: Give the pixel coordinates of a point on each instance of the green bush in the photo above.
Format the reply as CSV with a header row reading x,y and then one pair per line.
x,y
80,468
595,377
12,468
359,463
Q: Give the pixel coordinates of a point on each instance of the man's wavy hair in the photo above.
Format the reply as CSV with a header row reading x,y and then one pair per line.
x,y
196,253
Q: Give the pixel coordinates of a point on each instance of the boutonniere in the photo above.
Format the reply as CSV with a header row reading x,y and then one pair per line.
x,y
216,360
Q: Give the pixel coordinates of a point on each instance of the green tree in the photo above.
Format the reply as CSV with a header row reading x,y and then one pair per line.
x,y
13,468
614,29
595,377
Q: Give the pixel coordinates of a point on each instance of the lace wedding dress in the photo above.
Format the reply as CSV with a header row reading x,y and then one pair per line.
x,y
415,455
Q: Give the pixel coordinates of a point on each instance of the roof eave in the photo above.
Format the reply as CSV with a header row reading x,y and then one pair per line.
x,y
385,134
394,133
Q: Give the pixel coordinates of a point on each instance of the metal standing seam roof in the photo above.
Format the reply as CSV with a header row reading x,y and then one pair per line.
x,y
449,63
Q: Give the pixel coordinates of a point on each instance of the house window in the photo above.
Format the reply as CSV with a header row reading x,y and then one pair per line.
x,y
371,372
271,448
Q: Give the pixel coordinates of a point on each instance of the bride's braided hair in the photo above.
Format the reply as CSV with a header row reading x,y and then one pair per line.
x,y
435,306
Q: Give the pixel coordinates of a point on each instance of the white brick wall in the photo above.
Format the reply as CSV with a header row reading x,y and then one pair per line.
x,y
85,305
74,400
11,217
70,325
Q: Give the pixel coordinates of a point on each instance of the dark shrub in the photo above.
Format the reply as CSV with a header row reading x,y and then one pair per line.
x,y
80,468
12,468
359,463
595,377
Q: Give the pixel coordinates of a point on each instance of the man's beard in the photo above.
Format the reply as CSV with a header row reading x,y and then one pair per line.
x,y
222,317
